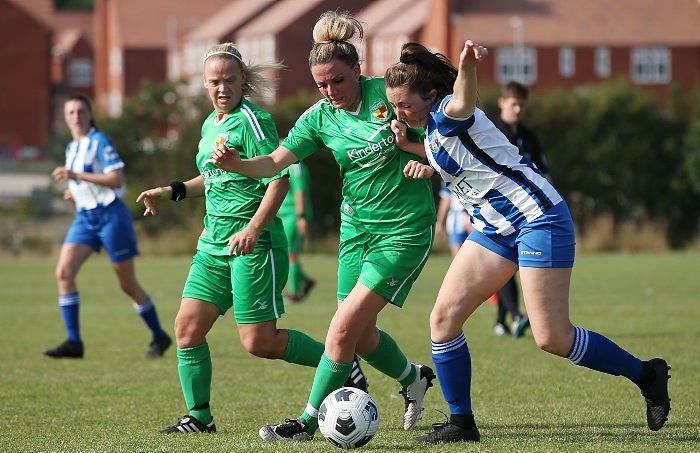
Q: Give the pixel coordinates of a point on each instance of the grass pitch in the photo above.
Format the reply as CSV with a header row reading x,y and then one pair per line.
x,y
524,400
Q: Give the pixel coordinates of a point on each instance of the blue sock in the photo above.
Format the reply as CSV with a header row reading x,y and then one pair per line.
x,y
594,351
147,311
453,365
70,308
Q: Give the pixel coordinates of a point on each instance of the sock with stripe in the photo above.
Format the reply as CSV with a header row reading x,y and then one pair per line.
x,y
147,311
594,351
70,309
302,349
453,366
329,376
195,370
390,360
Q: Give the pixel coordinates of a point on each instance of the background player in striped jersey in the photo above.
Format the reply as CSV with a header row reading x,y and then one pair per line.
x,y
386,231
94,172
520,221
241,258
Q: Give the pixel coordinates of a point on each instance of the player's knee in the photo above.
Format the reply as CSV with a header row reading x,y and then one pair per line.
x,y
260,347
552,343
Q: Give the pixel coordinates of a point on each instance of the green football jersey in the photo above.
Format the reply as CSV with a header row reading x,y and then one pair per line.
x,y
298,182
233,199
377,197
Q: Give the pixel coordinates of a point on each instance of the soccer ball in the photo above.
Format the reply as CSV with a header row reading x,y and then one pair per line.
x,y
348,418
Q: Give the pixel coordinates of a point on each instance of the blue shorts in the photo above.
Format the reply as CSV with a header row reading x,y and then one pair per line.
x,y
547,241
109,226
457,239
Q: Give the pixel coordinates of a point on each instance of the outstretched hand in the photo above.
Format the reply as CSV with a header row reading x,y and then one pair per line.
x,y
226,158
471,55
154,197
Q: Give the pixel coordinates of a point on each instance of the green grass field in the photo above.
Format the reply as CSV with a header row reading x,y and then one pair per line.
x,y
524,399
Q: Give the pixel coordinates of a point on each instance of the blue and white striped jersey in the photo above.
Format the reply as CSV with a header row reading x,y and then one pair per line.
x,y
94,153
500,189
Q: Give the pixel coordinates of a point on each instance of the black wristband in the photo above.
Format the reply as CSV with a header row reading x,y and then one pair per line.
x,y
179,190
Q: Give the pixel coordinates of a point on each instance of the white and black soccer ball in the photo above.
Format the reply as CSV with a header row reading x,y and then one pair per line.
x,y
348,418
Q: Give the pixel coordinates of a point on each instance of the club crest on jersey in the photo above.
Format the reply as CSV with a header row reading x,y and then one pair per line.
x,y
380,110
434,144
221,139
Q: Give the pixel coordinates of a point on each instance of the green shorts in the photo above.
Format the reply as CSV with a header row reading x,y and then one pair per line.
x,y
294,239
251,284
386,264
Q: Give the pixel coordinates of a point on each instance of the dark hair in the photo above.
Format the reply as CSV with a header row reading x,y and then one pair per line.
x,y
515,90
85,100
332,34
419,70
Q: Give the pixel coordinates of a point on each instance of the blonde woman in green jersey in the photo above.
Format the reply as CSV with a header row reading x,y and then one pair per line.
x,y
387,220
241,259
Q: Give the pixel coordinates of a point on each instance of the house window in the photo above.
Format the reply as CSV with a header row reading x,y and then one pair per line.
x,y
80,73
602,62
650,65
567,61
517,64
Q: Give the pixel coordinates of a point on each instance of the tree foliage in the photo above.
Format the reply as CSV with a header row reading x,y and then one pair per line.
x,y
612,151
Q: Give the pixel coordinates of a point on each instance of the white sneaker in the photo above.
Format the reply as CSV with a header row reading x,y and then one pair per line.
x,y
500,330
414,394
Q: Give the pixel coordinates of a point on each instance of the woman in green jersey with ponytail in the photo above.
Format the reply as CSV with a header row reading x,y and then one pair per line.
x,y
241,261
387,220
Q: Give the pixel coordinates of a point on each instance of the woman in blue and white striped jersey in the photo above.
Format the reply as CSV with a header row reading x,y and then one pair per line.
x,y
95,179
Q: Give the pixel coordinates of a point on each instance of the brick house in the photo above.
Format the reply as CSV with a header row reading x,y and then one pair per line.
x,y
264,31
132,38
549,44
72,57
26,30
185,60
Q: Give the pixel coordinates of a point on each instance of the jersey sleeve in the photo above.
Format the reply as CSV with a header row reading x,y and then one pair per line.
x,y
449,126
106,154
303,140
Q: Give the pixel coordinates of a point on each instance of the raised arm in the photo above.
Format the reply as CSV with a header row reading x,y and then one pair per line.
x,y
463,101
151,198
265,166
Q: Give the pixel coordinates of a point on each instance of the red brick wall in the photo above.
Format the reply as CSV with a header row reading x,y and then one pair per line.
x,y
25,99
143,64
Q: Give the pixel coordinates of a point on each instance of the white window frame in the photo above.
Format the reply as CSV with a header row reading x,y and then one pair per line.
x,y
567,61
80,73
602,62
650,65
517,64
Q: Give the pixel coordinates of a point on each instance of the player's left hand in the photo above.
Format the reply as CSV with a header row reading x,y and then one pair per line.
x,y
243,242
472,54
417,170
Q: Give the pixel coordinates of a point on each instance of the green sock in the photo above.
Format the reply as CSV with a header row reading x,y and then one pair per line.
x,y
194,367
330,376
302,349
293,281
390,360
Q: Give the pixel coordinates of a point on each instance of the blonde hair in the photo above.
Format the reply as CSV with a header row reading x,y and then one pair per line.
x,y
255,83
332,34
